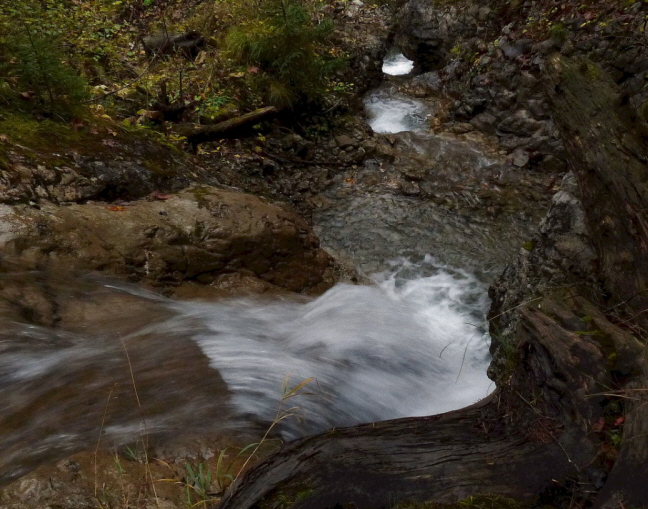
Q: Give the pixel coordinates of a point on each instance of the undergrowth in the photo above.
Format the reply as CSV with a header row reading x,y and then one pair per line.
x,y
290,50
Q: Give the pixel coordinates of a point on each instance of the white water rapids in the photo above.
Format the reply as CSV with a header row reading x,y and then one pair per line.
x,y
413,344
397,64
390,111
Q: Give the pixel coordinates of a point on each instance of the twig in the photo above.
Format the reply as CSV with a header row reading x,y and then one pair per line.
x,y
280,416
547,430
139,405
103,421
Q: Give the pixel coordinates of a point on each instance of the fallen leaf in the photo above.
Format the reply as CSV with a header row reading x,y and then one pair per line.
x,y
109,143
4,138
152,114
201,57
599,425
253,70
27,96
115,208
160,196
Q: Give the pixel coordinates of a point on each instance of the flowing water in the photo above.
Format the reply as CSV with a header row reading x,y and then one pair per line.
x,y
390,111
412,343
397,64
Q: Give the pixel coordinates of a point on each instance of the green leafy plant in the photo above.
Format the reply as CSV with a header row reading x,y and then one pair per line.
x,y
282,414
199,479
290,53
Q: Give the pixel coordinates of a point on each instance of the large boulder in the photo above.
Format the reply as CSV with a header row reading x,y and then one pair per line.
x,y
428,32
199,234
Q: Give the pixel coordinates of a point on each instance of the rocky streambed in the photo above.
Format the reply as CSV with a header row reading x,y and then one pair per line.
x,y
427,219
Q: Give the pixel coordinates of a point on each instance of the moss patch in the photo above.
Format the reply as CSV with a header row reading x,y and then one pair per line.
x,y
477,502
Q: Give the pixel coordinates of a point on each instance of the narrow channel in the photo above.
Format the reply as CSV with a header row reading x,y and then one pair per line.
x,y
413,342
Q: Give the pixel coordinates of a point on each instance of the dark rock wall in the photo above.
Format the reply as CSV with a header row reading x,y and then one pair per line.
x,y
487,60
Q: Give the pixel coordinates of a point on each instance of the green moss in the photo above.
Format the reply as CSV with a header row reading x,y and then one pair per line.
x,y
201,193
477,502
558,31
288,497
4,160
159,166
26,130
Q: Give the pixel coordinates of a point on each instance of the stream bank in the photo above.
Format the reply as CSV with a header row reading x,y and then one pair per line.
x,y
208,243
456,195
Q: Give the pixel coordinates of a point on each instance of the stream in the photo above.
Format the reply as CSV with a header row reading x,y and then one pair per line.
x,y
412,343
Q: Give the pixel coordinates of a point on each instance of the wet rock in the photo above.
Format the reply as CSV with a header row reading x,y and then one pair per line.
x,y
359,155
429,82
426,32
520,123
197,234
343,141
504,78
561,253
410,188
484,122
461,128
414,174
520,158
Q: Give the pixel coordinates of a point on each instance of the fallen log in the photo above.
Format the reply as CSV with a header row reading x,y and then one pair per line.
x,y
188,43
232,128
572,368
445,458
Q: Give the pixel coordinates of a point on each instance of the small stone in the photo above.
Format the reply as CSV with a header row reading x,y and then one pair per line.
x,y
343,141
414,174
520,158
461,128
359,155
410,188
369,148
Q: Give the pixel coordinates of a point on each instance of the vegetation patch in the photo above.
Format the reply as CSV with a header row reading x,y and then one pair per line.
x,y
476,502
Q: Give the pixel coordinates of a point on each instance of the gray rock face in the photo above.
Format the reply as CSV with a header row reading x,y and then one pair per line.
x,y
427,34
487,64
560,253
78,178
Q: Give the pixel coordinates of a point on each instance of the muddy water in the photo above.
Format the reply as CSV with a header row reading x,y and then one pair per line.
x,y
122,361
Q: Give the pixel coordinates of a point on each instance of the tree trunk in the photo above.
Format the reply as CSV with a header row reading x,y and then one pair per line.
x,y
231,128
571,364
606,146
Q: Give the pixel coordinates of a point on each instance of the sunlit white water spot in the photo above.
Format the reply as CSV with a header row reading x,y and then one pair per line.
x,y
397,64
390,112
411,345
